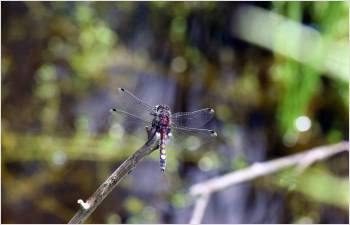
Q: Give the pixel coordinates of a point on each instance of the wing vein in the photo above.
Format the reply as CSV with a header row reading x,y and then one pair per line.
x,y
190,129
179,114
129,114
139,101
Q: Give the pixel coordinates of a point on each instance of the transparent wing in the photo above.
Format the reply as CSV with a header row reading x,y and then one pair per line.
x,y
132,106
195,119
131,98
130,116
132,112
177,130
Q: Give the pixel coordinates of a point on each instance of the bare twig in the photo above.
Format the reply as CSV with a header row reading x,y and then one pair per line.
x,y
199,209
124,169
301,160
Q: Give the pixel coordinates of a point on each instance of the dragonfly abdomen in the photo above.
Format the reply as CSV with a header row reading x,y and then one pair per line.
x,y
162,152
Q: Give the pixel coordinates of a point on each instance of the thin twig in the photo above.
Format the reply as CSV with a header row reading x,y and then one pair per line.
x,y
261,169
301,160
86,208
199,209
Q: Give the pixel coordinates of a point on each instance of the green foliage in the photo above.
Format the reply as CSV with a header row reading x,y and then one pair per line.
x,y
239,162
140,213
299,82
113,219
133,205
317,184
179,199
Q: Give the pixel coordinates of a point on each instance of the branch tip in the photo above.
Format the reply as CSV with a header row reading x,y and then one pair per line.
x,y
107,186
84,205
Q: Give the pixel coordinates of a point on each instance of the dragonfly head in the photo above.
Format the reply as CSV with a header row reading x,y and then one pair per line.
x,y
162,109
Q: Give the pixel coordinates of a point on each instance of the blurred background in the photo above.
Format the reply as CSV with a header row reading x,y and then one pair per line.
x,y
275,72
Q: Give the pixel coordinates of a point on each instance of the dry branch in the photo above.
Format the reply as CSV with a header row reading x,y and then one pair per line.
x,y
86,208
301,160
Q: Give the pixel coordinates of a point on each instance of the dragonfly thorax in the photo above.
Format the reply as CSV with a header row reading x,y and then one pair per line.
x,y
162,118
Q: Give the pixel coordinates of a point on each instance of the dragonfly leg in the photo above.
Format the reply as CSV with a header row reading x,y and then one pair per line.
x,y
148,131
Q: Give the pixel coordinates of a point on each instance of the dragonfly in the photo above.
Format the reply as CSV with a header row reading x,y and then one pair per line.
x,y
163,121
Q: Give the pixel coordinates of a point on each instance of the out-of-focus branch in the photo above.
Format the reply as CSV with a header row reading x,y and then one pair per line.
x,y
199,209
124,169
301,160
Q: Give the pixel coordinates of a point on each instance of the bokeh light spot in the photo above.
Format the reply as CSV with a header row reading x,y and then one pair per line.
x,y
303,123
205,163
179,64
59,158
192,143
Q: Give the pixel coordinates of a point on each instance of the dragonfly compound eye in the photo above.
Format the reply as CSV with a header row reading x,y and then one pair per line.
x,y
213,133
156,108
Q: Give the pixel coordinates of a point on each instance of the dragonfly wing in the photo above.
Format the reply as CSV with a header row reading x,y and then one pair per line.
x,y
130,116
191,138
196,119
193,131
132,99
129,103
130,121
131,111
